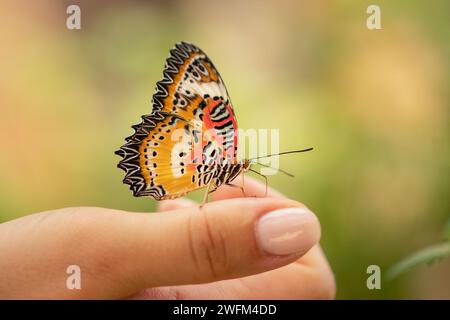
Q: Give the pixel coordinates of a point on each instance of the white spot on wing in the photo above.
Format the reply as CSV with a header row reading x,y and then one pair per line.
x,y
178,169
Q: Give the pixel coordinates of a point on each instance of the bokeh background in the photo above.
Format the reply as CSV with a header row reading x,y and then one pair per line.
x,y
374,104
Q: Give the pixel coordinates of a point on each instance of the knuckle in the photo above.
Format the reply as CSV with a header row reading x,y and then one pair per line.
x,y
207,246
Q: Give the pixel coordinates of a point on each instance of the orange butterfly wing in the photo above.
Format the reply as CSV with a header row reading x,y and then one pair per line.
x,y
191,129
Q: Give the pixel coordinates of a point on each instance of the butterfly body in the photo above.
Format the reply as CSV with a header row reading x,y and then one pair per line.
x,y
189,140
212,177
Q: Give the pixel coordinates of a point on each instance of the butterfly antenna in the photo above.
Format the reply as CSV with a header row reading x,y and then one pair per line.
x,y
281,170
281,153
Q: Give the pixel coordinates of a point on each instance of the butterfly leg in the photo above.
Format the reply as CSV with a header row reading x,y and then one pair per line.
x,y
205,197
265,178
236,186
213,190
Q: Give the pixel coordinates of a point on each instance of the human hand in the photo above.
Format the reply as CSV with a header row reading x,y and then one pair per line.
x,y
219,251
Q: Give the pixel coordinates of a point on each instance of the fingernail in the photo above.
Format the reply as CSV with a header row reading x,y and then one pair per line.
x,y
286,231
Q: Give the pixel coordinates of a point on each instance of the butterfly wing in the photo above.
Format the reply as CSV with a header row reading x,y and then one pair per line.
x,y
191,130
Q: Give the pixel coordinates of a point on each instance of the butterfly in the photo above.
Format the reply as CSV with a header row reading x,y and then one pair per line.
x,y
189,140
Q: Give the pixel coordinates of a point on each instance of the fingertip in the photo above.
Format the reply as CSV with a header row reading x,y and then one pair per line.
x,y
288,231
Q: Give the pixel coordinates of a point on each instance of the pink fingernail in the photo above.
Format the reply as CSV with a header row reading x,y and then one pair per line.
x,y
285,231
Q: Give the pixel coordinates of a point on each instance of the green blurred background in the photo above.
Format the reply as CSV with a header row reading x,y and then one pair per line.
x,y
374,104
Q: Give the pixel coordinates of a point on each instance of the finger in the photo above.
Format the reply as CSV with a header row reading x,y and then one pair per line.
x,y
314,259
221,240
294,281
167,205
252,188
310,277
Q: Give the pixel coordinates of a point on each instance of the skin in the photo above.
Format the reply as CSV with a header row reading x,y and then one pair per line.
x,y
181,252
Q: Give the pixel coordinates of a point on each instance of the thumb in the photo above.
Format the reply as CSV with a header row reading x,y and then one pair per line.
x,y
221,240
